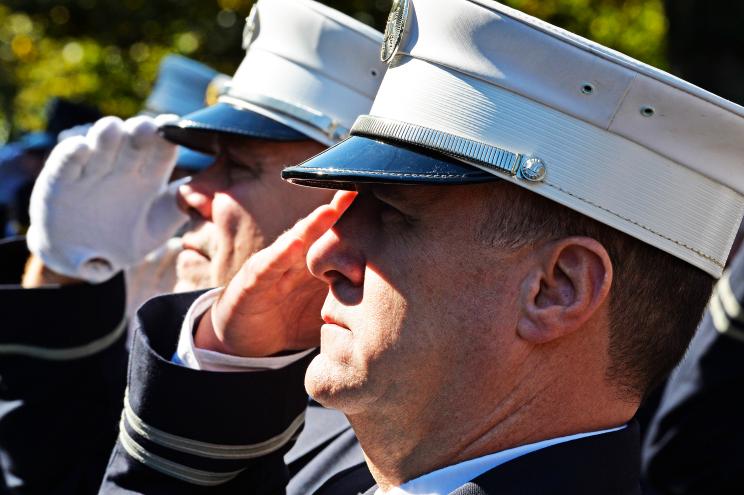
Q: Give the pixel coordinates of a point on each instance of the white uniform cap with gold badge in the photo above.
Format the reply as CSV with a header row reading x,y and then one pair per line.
x,y
477,90
308,73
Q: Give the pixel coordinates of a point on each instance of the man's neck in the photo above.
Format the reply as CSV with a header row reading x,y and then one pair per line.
x,y
399,447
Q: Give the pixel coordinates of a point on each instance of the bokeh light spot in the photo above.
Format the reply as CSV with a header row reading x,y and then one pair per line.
x,y
187,42
22,45
139,52
73,53
226,18
59,14
21,24
112,55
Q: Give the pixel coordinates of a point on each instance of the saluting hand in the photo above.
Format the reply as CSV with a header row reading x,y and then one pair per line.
x,y
102,201
273,303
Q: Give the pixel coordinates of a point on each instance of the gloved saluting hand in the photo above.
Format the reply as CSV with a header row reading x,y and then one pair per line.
x,y
102,201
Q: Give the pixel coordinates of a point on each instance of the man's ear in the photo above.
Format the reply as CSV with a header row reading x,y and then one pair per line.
x,y
569,282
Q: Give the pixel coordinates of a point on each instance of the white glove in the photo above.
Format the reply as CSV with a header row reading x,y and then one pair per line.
x,y
78,130
102,201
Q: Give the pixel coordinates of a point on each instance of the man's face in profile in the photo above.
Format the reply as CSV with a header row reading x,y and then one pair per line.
x,y
239,205
416,303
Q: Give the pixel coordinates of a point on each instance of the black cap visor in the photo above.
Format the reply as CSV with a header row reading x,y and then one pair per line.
x,y
364,160
199,130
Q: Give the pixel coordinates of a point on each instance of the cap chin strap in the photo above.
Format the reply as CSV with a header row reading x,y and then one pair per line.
x,y
484,156
306,115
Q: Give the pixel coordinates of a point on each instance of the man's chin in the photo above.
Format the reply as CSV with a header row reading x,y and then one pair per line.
x,y
334,385
186,286
190,281
192,272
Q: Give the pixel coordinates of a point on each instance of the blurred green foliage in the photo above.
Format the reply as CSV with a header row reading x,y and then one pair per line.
x,y
706,44
106,52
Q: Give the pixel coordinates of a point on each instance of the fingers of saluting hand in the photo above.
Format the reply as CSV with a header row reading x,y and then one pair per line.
x,y
287,255
309,229
263,309
140,132
342,200
146,152
68,159
104,138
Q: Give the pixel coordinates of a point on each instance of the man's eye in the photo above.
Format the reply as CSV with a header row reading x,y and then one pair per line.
x,y
388,213
239,170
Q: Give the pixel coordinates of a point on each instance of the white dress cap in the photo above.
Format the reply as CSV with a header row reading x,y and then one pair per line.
x,y
617,140
308,67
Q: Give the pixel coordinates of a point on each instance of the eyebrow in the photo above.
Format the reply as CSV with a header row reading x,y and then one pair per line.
x,y
400,194
381,191
249,160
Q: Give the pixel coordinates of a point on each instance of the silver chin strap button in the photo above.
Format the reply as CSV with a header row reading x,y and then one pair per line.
x,y
533,170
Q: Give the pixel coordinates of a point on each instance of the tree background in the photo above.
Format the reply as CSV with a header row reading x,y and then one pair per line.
x,y
106,52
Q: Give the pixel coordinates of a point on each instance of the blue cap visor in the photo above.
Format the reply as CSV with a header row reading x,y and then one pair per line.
x,y
10,153
13,175
363,160
38,141
199,130
193,160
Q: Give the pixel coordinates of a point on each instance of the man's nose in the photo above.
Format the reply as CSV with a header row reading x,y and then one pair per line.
x,y
336,257
196,196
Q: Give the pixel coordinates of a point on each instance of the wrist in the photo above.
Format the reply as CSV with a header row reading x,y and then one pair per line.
x,y
36,274
205,336
210,336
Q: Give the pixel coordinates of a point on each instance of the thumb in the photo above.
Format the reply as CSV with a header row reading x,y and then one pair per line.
x,y
165,216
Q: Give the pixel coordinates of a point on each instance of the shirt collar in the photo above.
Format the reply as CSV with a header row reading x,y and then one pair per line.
x,y
448,479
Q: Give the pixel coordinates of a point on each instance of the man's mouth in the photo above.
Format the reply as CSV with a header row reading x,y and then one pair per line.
x,y
332,320
189,246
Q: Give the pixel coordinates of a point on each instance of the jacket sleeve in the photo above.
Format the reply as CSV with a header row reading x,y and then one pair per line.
x,y
192,431
62,375
694,442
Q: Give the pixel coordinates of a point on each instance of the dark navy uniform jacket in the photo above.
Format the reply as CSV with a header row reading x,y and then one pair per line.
x,y
695,443
189,431
63,363
62,376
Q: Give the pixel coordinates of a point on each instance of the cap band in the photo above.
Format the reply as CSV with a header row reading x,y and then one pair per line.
x,y
306,115
458,147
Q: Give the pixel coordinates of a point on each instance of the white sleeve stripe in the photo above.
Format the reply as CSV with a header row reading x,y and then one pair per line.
x,y
728,299
721,317
69,353
210,450
170,468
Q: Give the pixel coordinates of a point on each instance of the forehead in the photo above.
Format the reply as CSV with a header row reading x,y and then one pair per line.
x,y
435,197
232,142
266,149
